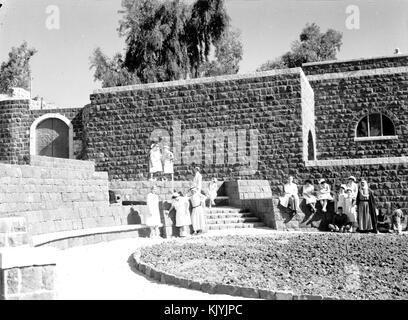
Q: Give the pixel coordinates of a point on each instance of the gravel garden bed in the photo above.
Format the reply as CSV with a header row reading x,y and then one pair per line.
x,y
346,266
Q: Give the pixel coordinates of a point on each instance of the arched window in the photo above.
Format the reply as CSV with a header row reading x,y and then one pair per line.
x,y
375,126
310,147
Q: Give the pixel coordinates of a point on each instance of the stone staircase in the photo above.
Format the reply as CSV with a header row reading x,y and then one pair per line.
x,y
222,216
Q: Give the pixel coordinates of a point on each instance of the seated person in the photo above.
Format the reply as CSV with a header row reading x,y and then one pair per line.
x,y
291,198
324,194
340,222
383,222
309,195
396,218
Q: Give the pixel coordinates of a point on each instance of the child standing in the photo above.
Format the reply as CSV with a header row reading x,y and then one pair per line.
x,y
212,191
349,208
183,219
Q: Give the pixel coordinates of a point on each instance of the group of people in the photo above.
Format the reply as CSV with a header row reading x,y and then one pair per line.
x,y
189,208
161,162
354,205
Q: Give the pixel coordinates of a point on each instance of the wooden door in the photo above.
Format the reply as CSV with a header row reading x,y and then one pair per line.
x,y
52,138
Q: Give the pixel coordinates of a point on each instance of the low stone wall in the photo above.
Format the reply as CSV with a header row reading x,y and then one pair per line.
x,y
25,272
217,288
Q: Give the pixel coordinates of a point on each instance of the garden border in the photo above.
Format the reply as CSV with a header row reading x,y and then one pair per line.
x,y
218,288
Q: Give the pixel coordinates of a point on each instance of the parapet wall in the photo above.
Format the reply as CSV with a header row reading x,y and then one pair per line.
x,y
57,195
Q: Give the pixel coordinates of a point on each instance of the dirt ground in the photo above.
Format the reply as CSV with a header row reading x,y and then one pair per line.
x,y
347,266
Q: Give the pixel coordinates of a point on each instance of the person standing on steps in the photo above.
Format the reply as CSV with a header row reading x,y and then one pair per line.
x,y
168,162
198,179
366,209
152,218
212,191
155,161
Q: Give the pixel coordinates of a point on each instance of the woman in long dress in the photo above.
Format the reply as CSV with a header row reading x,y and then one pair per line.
x,y
152,217
366,209
309,195
323,194
168,162
182,207
291,198
155,161
212,191
197,213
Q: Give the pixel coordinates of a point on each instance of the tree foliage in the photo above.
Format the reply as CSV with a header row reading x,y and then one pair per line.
x,y
167,40
111,71
16,71
312,46
228,54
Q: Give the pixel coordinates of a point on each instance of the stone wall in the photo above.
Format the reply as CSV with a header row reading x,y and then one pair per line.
x,y
58,194
119,122
342,100
396,60
16,118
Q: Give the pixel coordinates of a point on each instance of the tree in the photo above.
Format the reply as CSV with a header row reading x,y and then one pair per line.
x,y
228,54
312,46
204,28
16,71
111,72
168,40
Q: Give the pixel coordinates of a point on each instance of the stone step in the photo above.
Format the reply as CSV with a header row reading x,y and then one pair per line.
x,y
232,220
225,209
235,225
228,215
221,200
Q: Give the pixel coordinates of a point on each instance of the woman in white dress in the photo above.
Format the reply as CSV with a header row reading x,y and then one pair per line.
x,y
352,184
291,198
323,194
349,208
197,213
309,195
155,161
152,217
212,191
182,207
168,162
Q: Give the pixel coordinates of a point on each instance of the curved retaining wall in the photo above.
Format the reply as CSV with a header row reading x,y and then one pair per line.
x,y
218,288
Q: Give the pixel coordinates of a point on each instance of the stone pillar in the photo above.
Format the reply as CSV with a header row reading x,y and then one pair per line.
x,y
25,272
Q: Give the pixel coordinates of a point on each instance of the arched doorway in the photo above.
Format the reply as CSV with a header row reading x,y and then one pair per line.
x,y
51,136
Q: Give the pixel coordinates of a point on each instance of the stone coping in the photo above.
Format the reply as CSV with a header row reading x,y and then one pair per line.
x,y
27,256
42,239
396,56
218,288
356,162
203,80
358,73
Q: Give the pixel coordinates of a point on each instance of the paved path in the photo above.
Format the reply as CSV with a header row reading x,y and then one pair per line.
x,y
101,271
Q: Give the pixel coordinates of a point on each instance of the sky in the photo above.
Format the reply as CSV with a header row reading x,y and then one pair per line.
x,y
61,71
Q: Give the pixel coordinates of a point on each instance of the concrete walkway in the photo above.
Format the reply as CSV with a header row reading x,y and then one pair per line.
x,y
101,272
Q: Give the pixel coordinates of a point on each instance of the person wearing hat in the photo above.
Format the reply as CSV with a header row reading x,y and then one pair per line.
x,y
349,208
308,192
155,162
323,194
168,162
291,198
366,209
182,207
198,179
197,213
352,184
212,191
152,216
